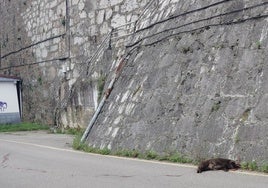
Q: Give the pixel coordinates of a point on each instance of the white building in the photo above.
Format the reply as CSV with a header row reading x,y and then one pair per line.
x,y
10,99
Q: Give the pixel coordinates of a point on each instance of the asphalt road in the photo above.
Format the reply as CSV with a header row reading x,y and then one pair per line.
x,y
46,160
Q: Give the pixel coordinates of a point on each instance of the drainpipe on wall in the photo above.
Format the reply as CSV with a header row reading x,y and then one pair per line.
x,y
107,94
116,74
97,112
92,121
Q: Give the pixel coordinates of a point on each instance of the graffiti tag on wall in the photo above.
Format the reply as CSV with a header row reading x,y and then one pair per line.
x,y
3,106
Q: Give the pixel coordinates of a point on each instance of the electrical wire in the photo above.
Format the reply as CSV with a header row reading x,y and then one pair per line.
x,y
155,34
194,22
35,63
208,26
31,45
183,14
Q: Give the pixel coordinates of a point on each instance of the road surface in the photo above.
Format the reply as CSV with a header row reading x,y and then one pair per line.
x,y
41,160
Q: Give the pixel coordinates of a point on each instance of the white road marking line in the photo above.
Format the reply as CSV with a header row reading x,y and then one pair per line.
x,y
125,158
40,146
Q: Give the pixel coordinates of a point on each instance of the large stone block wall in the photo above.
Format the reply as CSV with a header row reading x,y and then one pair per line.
x,y
48,44
90,23
198,88
194,80
33,47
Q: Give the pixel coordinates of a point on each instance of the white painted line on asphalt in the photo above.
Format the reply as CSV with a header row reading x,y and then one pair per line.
x,y
250,173
125,158
40,146
108,156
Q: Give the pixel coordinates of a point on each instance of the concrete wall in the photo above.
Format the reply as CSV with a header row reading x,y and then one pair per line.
x,y
199,88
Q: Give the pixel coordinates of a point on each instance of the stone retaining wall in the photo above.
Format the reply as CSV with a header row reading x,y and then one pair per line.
x,y
198,88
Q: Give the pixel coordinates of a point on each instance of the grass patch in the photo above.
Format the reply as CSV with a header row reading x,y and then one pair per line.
x,y
264,168
84,147
216,106
249,166
77,144
128,153
151,155
101,83
71,131
253,166
22,127
178,158
148,155
258,44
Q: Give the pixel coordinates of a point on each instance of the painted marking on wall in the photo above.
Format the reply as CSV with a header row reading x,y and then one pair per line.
x,y
3,106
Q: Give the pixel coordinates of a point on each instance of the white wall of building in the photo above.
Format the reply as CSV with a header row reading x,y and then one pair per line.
x,y
8,94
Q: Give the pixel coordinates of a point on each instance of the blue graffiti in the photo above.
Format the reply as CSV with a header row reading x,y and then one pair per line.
x,y
3,106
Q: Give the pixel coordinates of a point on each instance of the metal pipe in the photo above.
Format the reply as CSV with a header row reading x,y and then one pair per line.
x,y
97,112
116,74
92,121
